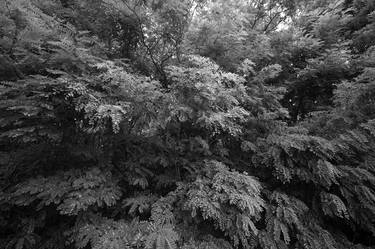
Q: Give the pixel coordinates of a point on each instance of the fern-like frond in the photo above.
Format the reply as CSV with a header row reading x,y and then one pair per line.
x,y
72,191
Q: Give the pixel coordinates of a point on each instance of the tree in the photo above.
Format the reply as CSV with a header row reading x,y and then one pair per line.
x,y
97,153
230,31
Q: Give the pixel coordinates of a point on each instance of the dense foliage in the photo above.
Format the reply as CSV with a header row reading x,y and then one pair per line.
x,y
187,124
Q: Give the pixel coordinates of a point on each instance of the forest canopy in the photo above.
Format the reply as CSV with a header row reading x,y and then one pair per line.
x,y
187,124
